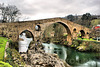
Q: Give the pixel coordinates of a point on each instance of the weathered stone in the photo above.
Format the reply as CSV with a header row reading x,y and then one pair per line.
x,y
36,58
13,30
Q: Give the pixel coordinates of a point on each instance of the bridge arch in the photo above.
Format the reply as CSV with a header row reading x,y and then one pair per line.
x,y
74,30
28,33
69,35
82,33
25,38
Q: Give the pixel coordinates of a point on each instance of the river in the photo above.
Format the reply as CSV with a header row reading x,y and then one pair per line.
x,y
72,56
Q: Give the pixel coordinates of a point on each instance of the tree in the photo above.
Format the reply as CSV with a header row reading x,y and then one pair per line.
x,y
71,17
9,13
86,18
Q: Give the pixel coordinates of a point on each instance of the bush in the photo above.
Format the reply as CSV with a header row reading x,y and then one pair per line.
x,y
94,46
66,42
13,45
75,43
9,58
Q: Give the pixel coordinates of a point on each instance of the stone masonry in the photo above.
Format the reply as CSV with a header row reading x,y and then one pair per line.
x,y
14,29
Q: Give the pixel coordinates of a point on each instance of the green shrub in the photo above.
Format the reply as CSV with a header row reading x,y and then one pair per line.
x,y
75,43
9,58
94,46
66,42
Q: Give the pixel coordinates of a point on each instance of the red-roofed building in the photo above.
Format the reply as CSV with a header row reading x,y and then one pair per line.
x,y
96,32
97,27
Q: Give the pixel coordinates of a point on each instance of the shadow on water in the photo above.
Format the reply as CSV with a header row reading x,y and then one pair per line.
x,y
73,57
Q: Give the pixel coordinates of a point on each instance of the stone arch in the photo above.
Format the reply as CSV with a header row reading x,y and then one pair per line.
x,y
87,33
28,34
25,40
82,33
74,33
38,28
74,30
69,37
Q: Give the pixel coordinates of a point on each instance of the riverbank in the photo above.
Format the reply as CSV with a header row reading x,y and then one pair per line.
x,y
3,43
73,57
90,46
79,44
35,56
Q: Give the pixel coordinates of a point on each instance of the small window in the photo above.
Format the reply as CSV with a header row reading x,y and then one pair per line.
x,y
87,33
74,29
37,27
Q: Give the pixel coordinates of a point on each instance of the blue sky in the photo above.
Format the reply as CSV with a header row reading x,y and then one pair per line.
x,y
41,9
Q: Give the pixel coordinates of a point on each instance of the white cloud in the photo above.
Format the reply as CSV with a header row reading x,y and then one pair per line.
x,y
40,9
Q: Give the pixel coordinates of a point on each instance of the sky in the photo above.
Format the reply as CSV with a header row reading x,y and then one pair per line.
x,y
42,9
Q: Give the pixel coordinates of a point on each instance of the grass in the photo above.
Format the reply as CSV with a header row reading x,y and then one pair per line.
x,y
3,64
3,42
85,39
95,22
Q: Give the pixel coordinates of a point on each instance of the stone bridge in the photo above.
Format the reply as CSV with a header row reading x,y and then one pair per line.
x,y
14,29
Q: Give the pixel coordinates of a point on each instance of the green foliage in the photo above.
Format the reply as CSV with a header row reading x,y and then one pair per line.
x,y
13,45
94,46
85,39
65,35
66,42
1,53
3,42
75,43
9,58
95,22
54,30
59,30
11,55
55,25
18,60
3,64
89,46
82,48
70,17
86,16
14,58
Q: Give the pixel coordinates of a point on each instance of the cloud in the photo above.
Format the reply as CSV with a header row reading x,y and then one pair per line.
x,y
39,9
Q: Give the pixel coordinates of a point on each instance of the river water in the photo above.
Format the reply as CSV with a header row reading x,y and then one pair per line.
x,y
72,56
